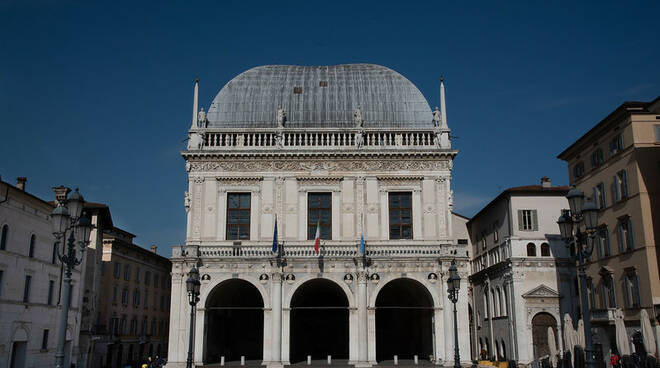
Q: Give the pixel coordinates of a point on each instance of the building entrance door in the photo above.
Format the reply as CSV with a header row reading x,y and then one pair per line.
x,y
319,322
18,351
234,322
404,315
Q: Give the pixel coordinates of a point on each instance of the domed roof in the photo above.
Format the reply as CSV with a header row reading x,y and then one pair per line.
x,y
320,97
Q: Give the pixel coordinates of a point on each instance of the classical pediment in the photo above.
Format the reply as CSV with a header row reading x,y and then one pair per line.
x,y
541,291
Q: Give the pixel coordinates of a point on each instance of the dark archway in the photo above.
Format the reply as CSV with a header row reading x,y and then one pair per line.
x,y
540,324
404,315
319,321
234,324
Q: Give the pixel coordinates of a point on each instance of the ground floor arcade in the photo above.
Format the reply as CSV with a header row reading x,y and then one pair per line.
x,y
362,318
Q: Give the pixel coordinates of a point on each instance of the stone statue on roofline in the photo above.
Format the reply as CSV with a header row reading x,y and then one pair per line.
x,y
357,117
281,117
201,118
437,117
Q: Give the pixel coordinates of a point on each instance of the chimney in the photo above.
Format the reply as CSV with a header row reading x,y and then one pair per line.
x,y
20,182
545,182
154,249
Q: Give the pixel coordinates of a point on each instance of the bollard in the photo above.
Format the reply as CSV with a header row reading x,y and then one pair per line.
x,y
242,360
416,358
329,359
396,360
309,360
222,360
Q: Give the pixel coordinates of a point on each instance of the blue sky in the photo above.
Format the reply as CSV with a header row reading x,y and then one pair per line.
x,y
98,94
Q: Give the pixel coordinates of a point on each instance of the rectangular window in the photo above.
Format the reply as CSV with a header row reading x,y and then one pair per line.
x,y
496,233
114,294
147,278
608,297
146,299
51,289
616,145
136,297
26,289
319,211
597,157
603,243
527,220
44,340
400,211
156,276
116,270
124,296
625,234
238,216
127,272
137,275
578,170
657,133
599,195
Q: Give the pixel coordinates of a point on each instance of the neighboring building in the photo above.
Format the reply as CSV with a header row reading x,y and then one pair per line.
x,y
135,288
351,150
522,280
30,283
617,163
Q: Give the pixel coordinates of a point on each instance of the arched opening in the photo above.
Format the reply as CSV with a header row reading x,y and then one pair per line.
x,y
540,324
531,250
545,250
404,315
319,321
234,322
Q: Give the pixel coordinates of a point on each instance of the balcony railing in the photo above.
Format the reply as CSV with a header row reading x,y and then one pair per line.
x,y
218,140
603,315
298,250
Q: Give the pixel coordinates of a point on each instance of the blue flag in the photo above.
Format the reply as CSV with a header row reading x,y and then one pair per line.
x,y
275,236
362,243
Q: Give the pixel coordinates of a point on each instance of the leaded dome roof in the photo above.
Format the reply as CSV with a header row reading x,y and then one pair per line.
x,y
320,97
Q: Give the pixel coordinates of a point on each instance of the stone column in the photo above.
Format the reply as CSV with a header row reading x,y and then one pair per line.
x,y
363,321
276,294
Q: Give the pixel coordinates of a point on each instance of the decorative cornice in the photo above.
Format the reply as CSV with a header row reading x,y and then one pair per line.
x,y
318,165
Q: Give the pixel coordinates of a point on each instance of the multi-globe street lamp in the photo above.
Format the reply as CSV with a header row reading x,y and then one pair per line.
x,y
453,285
192,285
70,228
570,226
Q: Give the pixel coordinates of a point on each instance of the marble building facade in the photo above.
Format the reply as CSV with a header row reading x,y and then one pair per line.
x,y
355,151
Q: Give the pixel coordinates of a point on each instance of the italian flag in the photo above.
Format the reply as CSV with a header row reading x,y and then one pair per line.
x,y
317,239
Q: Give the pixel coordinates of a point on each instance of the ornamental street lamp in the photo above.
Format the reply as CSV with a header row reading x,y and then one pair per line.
x,y
570,227
192,285
72,227
453,285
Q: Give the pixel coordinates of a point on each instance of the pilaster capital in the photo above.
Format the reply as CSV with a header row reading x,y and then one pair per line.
x,y
362,277
276,277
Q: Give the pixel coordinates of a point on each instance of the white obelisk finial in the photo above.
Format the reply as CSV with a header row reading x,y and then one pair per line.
x,y
194,124
443,108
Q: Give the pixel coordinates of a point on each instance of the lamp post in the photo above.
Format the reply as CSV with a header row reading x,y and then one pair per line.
x,y
70,228
570,226
453,285
192,285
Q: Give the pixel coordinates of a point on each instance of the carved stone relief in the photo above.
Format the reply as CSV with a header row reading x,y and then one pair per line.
x,y
306,165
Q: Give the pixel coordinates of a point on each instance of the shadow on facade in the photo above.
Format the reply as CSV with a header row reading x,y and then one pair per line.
x,y
319,321
234,322
404,314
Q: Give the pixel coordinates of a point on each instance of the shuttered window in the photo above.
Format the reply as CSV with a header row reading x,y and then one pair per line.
x,y
527,220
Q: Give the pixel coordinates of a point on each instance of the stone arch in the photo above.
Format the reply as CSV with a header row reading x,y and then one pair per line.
x,y
208,287
404,320
20,334
233,321
286,302
540,323
437,300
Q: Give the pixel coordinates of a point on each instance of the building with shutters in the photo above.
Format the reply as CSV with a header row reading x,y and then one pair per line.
x,y
134,319
353,150
617,164
522,280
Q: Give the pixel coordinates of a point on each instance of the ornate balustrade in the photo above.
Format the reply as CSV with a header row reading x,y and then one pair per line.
x,y
215,140
304,250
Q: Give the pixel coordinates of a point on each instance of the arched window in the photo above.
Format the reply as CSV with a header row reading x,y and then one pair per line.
x,y
3,237
506,301
486,309
31,246
545,250
497,350
496,312
531,250
503,347
500,308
